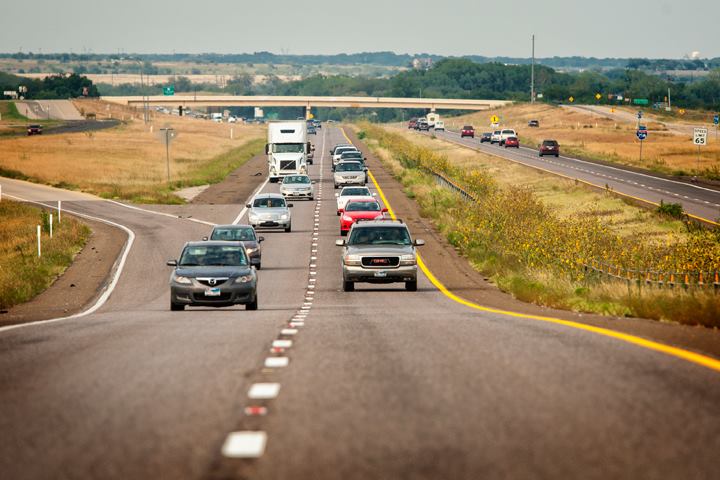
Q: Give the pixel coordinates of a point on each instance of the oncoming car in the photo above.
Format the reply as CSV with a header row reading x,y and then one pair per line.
x,y
245,234
213,274
270,210
379,251
297,186
359,208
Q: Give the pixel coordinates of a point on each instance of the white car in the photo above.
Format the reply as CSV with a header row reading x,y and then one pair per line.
x,y
439,126
350,192
505,133
495,137
297,186
339,151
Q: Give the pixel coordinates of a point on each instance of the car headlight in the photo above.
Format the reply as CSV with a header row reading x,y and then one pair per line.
x,y
347,218
284,216
182,280
252,215
243,279
352,260
408,259
251,250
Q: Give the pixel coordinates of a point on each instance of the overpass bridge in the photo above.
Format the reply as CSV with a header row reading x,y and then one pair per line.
x,y
308,102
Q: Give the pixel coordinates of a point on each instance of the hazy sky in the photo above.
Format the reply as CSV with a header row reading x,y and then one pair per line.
x,y
607,28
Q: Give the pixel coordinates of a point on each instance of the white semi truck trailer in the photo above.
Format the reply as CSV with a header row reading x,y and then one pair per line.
x,y
287,149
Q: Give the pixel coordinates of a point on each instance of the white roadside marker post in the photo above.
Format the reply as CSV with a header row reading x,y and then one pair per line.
x,y
38,238
59,211
51,222
0,193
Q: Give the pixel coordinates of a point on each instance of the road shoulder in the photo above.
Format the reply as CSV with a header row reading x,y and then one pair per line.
x,y
456,273
81,283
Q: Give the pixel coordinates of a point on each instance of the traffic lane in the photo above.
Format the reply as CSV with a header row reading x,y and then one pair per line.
x,y
696,200
392,384
169,363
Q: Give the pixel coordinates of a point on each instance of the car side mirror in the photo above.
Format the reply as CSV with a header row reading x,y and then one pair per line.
x,y
313,181
384,210
419,242
261,239
289,205
364,158
205,239
365,169
337,195
171,263
247,205
340,243
267,149
341,210
374,194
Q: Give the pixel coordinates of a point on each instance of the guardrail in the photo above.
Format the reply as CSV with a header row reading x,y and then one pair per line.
x,y
604,270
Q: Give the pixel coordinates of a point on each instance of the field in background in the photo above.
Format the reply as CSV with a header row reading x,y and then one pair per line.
x,y
534,233
589,136
128,162
22,274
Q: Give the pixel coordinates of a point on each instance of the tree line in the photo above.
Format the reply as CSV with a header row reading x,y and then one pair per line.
x,y
68,85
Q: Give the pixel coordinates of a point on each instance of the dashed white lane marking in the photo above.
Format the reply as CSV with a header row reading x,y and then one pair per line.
x,y
282,343
295,324
288,331
276,362
246,444
263,391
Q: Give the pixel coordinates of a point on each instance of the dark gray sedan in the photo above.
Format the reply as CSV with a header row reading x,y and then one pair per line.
x,y
244,234
213,274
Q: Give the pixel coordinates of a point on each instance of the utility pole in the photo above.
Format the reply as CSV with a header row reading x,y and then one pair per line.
x,y
168,134
532,72
669,101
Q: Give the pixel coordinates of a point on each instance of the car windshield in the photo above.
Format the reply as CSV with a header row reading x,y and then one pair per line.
x,y
549,143
295,179
390,235
270,202
348,167
288,147
241,234
213,255
496,132
357,192
363,207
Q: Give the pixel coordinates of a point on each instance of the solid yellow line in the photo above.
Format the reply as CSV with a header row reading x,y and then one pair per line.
x,y
687,355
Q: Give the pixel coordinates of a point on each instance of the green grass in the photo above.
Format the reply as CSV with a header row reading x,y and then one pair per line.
x,y
9,111
22,274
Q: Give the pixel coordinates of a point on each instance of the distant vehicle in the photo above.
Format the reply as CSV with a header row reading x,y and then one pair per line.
x,y
297,186
533,123
34,129
359,208
432,119
338,151
512,142
311,130
423,126
379,251
213,274
549,147
317,123
353,155
349,173
232,119
244,234
412,123
439,126
270,210
467,131
485,137
287,149
505,134
216,117
348,192
495,137
330,121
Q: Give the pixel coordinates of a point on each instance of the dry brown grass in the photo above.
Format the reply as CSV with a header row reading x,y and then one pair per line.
x,y
129,156
603,139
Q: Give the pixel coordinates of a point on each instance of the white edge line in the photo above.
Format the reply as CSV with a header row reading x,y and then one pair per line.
x,y
164,214
244,209
117,268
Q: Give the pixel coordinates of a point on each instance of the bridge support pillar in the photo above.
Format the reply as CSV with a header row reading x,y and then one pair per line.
x,y
308,112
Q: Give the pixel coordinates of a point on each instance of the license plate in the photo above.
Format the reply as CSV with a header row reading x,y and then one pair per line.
x,y
381,274
212,292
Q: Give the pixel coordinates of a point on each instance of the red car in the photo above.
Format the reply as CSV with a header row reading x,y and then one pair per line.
x,y
512,142
549,147
467,131
412,123
365,208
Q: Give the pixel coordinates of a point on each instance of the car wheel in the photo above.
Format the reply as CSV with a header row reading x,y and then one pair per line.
x,y
312,198
557,155
288,229
411,286
336,186
176,307
252,305
348,286
258,266
343,232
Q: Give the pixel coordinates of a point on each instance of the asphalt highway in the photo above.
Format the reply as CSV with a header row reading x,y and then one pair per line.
x,y
700,201
381,383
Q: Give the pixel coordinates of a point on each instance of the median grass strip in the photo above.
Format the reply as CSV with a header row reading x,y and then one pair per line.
x,y
533,234
129,162
22,274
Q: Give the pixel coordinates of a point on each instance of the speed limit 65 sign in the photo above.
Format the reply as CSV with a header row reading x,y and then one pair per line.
x,y
700,136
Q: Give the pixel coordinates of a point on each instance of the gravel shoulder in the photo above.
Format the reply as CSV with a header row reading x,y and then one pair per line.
x,y
456,273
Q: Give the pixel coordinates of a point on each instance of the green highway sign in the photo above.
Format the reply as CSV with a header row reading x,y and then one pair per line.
x,y
640,101
169,90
